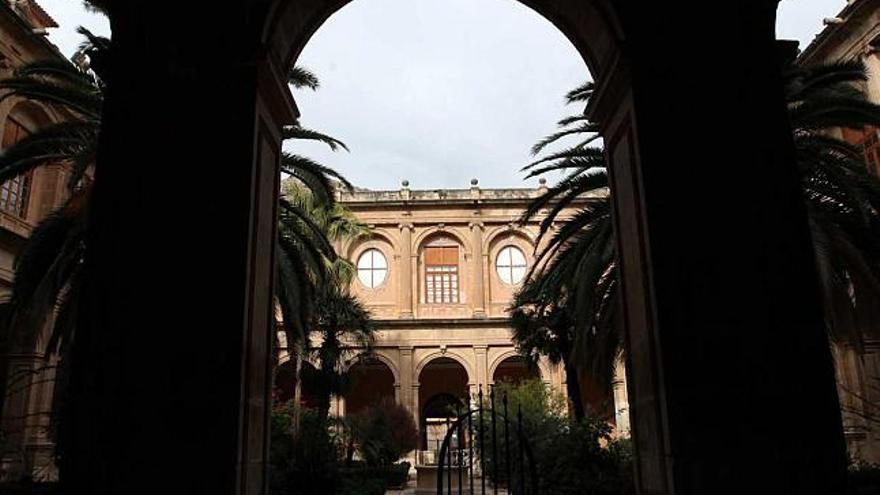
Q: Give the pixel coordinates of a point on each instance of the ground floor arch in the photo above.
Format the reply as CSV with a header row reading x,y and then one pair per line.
x,y
444,390
515,369
370,381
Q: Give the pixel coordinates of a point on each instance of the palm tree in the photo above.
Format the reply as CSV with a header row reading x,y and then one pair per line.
x,y
577,265
569,291
843,198
322,277
548,331
48,267
343,326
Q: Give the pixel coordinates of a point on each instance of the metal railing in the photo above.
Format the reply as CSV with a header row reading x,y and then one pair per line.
x,y
488,433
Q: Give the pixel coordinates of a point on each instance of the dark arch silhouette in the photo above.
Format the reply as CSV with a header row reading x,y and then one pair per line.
x,y
720,303
371,381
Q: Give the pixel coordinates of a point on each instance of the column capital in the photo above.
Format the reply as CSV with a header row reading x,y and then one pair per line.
x,y
405,349
406,226
474,225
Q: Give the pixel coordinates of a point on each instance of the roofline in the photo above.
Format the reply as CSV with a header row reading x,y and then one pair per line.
x,y
28,29
433,323
830,30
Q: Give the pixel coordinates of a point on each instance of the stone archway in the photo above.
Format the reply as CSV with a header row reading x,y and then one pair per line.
x,y
719,298
371,381
443,385
514,369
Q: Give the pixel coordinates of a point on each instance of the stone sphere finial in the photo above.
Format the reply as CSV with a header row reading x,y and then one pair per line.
x,y
404,183
474,182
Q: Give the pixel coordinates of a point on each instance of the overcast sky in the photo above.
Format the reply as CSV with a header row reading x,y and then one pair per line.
x,y
437,91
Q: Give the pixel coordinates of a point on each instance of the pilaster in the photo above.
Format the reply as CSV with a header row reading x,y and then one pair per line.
x,y
477,262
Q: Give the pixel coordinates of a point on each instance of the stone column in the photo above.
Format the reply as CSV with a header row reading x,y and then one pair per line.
x,y
479,291
337,406
406,270
415,403
205,408
482,366
621,400
405,386
720,301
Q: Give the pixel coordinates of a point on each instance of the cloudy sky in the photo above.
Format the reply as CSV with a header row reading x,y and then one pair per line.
x,y
459,90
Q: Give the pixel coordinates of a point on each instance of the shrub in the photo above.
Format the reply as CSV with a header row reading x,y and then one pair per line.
x,y
384,433
302,461
570,457
398,474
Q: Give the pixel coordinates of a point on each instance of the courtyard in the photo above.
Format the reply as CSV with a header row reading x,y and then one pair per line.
x,y
439,246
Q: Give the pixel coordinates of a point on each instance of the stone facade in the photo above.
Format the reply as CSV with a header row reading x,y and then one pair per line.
x,y
25,441
446,334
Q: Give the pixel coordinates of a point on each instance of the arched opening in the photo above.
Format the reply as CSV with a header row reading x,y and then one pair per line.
x,y
443,387
515,369
371,381
304,388
670,298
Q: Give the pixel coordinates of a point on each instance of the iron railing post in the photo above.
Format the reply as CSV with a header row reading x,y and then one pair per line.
x,y
482,445
494,442
522,461
506,442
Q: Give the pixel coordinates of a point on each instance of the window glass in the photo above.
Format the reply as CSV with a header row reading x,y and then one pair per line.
x,y
372,267
511,265
441,275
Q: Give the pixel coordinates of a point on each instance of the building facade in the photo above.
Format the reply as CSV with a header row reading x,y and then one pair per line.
x,y
438,274
854,35
25,445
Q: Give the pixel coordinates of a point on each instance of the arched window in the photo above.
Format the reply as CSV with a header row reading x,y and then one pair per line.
x,y
441,272
14,192
511,265
372,268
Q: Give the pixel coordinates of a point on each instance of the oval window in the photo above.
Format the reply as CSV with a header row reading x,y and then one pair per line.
x,y
511,265
372,267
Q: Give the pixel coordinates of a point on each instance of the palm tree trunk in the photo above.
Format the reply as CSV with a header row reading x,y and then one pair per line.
x,y
296,354
573,387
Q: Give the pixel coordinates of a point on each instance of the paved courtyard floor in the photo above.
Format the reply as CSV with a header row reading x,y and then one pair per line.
x,y
411,490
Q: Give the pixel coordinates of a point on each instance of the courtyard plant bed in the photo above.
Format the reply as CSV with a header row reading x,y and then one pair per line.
x,y
570,456
357,455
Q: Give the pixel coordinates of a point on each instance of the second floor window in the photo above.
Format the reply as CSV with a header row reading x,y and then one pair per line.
x,y
372,268
14,192
441,275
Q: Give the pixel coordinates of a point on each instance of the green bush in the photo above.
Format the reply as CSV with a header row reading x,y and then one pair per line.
x,y
307,458
398,474
570,457
302,461
383,433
